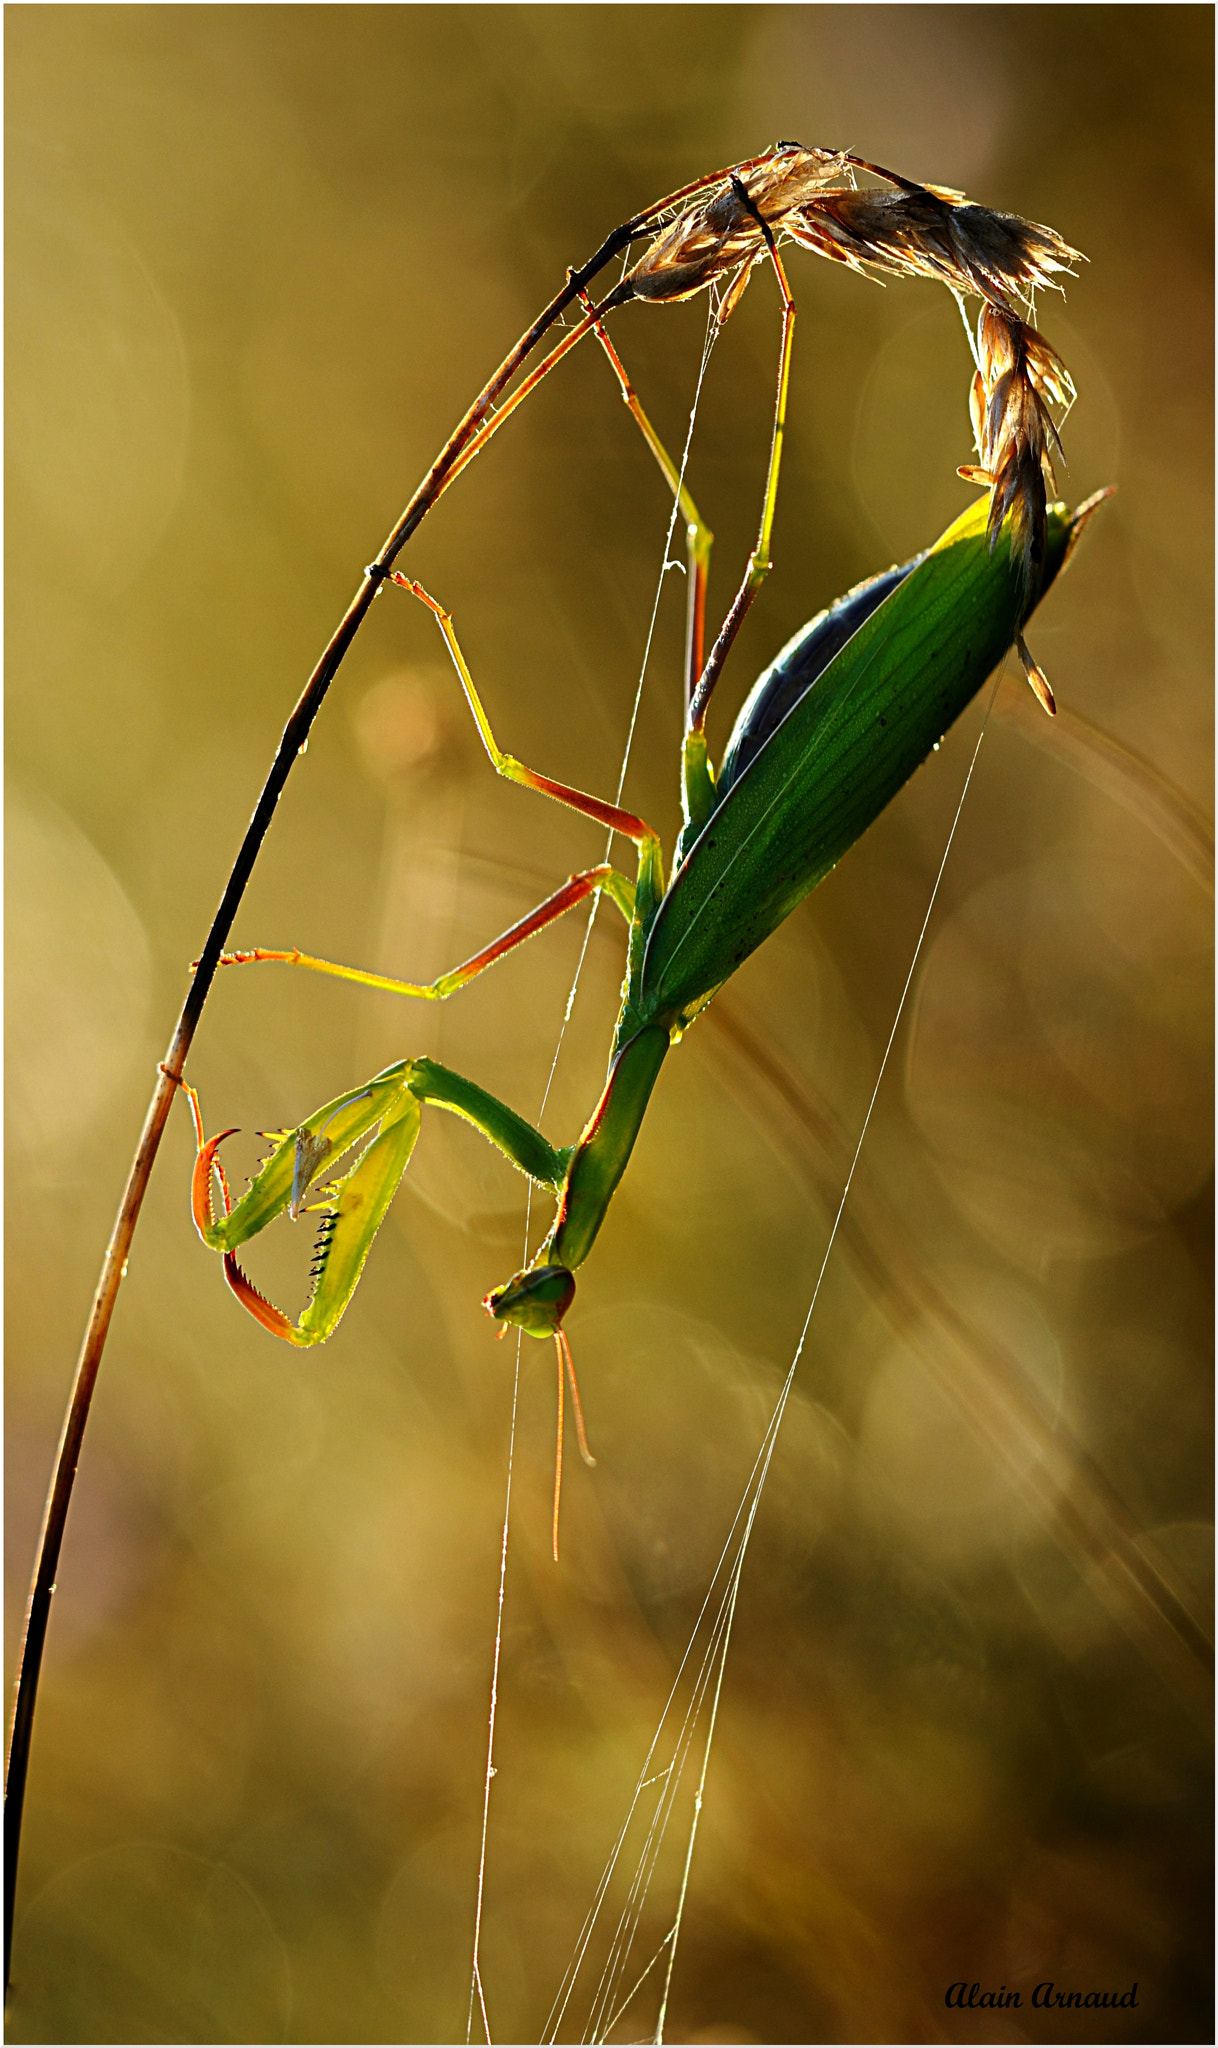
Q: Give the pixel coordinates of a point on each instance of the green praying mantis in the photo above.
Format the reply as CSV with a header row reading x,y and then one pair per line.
x,y
829,734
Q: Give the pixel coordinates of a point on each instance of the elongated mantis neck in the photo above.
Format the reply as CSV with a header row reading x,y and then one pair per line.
x,y
600,1157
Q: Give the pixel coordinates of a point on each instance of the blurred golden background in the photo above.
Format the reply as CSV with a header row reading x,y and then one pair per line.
x,y
259,261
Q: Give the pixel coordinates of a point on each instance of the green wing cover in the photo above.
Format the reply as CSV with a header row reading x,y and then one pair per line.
x,y
839,757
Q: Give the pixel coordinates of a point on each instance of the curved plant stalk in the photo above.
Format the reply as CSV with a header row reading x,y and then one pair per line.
x,y
169,1074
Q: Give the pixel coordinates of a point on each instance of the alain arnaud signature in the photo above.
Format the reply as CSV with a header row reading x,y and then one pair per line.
x,y
969,1997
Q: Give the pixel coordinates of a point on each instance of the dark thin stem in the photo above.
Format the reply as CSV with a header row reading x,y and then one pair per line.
x,y
114,1266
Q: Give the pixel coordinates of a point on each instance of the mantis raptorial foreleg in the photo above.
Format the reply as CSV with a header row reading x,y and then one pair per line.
x,y
383,1118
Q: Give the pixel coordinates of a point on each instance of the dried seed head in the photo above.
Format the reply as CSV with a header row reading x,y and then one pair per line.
x,y
809,196
1020,375
926,231
709,241
913,231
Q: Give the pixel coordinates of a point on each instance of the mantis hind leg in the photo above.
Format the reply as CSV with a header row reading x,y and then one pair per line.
x,y
506,765
698,780
699,539
759,561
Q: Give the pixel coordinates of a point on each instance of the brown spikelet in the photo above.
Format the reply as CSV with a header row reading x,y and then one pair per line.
x,y
710,241
1020,376
923,231
809,196
1036,676
977,407
735,291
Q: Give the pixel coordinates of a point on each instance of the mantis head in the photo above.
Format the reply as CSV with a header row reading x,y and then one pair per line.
x,y
536,1300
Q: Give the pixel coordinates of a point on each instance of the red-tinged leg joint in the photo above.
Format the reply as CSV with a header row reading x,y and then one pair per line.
x,y
417,590
262,1310
191,1094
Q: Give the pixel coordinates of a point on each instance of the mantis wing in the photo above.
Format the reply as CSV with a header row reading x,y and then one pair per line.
x,y
839,756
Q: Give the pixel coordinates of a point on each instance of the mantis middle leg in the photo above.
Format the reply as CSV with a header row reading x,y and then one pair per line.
x,y
574,890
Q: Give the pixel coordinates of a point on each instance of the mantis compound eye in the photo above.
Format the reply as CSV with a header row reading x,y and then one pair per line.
x,y
535,1301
